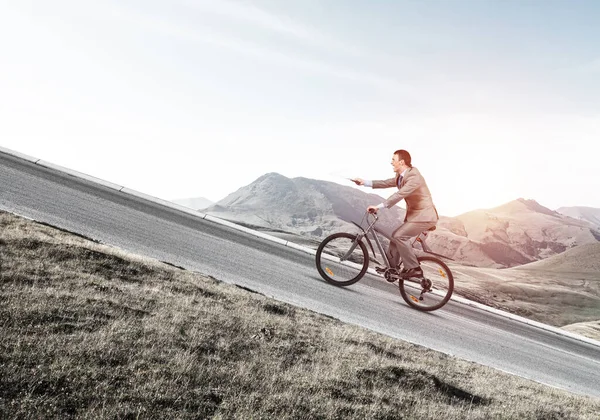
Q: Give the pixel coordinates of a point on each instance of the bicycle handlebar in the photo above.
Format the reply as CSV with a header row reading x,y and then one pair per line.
x,y
372,213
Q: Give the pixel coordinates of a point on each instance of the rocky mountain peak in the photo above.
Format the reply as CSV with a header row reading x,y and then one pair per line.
x,y
537,207
522,205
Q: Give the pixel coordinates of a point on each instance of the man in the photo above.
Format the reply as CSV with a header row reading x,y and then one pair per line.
x,y
421,213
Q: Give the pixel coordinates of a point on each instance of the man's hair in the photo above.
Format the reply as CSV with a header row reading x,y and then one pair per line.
x,y
405,156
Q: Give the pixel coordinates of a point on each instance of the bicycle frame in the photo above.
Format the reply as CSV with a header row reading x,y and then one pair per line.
x,y
371,230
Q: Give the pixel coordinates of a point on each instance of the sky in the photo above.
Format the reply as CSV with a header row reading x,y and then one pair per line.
x,y
494,99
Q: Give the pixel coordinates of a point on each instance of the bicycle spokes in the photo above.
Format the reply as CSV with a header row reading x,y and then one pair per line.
x,y
431,291
342,259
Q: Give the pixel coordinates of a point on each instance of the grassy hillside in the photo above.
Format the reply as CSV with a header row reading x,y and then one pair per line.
x,y
89,331
554,298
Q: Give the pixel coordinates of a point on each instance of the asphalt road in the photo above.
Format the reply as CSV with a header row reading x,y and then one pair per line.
x,y
289,275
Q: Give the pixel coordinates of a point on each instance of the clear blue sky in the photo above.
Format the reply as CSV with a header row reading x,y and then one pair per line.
x,y
495,100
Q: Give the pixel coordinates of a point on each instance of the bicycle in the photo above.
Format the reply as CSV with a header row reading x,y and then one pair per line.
x,y
343,259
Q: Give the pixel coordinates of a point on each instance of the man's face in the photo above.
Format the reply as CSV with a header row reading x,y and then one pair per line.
x,y
397,163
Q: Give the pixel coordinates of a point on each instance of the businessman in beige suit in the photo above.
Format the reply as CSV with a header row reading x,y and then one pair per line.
x,y
421,213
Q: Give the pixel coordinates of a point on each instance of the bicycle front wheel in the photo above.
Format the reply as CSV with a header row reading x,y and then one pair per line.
x,y
342,259
431,292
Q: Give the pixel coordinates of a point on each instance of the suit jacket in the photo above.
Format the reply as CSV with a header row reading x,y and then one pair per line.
x,y
414,190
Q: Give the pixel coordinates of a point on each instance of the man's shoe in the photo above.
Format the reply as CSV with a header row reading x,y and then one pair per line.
x,y
411,273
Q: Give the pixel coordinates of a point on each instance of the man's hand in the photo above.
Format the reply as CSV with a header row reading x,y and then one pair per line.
x,y
372,209
358,181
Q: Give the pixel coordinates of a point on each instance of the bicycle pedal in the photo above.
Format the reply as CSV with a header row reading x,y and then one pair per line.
x,y
390,276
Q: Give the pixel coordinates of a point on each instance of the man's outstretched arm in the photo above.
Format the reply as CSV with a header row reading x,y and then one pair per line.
x,y
364,182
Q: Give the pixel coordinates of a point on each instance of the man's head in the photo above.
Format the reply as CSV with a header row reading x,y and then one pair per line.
x,y
400,161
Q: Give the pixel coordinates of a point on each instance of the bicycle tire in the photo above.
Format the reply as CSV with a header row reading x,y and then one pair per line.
x,y
332,269
441,288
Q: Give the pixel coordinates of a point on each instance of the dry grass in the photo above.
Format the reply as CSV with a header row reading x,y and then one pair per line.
x,y
554,298
89,331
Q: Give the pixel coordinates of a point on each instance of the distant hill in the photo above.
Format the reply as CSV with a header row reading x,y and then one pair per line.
x,y
523,231
515,233
588,214
581,259
197,203
301,205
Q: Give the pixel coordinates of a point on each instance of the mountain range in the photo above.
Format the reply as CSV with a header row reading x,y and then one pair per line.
x,y
516,233
588,214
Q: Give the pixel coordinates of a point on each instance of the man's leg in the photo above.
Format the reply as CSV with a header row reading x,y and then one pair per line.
x,y
393,255
403,243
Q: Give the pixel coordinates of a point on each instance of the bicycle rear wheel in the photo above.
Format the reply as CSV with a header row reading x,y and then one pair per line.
x,y
342,259
434,290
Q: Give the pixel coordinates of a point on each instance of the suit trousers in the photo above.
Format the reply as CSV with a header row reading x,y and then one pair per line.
x,y
401,248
